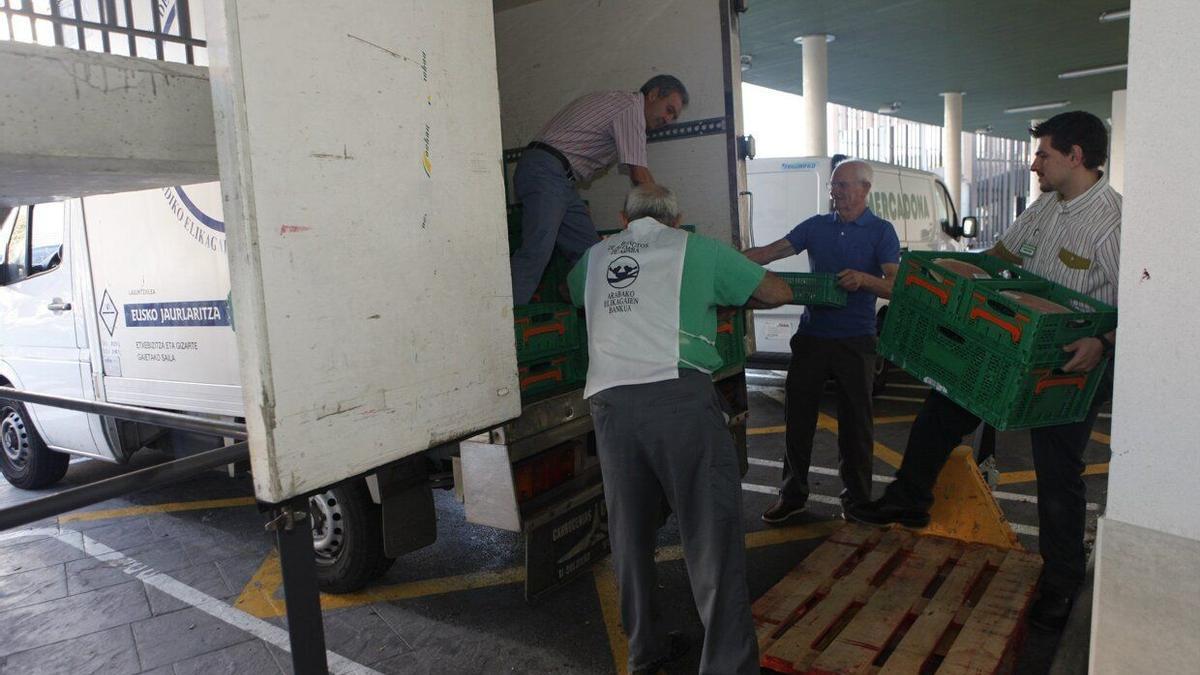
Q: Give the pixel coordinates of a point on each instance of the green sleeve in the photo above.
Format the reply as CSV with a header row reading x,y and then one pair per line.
x,y
577,280
736,277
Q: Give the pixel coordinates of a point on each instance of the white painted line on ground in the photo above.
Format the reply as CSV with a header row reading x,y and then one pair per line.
x,y
253,625
823,471
903,385
1107,416
774,393
906,399
1030,530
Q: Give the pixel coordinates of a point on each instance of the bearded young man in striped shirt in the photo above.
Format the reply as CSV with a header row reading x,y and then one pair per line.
x,y
589,135
1071,235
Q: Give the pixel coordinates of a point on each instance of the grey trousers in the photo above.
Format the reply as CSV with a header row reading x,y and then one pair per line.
x,y
669,440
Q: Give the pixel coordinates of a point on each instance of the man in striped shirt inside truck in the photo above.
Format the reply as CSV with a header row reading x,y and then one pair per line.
x,y
588,136
1072,236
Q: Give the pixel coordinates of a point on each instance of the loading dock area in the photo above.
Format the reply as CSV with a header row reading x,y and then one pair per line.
x,y
81,593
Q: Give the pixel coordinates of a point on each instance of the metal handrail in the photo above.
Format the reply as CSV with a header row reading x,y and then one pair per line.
x,y
160,418
119,486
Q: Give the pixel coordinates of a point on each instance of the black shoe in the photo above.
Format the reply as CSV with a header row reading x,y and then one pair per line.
x,y
880,512
781,511
1050,611
679,647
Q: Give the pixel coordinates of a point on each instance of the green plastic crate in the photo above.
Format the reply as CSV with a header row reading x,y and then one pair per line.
x,y
1005,391
1029,335
553,286
814,289
545,329
552,375
731,340
922,281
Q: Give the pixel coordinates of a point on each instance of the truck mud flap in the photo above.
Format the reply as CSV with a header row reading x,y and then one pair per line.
x,y
563,540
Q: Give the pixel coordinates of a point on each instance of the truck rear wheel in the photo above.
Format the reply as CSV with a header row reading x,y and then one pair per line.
x,y
347,538
25,460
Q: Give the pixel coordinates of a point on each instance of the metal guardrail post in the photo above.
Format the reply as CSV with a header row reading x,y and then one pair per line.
x,y
306,632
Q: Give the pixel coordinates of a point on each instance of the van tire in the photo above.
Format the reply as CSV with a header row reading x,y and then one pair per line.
x,y
24,458
347,538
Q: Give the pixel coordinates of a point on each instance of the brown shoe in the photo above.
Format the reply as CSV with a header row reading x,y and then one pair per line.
x,y
781,511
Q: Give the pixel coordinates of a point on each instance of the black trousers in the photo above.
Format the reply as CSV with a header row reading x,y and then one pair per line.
x,y
851,363
1057,459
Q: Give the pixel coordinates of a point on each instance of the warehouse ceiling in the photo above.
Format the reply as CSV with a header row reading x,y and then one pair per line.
x,y
1000,53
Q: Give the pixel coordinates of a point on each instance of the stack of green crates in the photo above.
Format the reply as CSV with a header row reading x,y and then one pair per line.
x,y
731,340
994,356
550,335
814,289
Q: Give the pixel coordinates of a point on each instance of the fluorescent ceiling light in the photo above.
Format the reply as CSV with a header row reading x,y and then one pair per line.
x,y
890,109
984,130
829,37
1039,106
1114,15
1098,70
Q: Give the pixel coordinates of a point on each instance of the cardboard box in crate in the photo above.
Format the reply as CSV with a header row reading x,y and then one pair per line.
x,y
814,289
936,286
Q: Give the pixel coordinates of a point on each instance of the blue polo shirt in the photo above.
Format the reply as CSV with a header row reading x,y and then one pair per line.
x,y
864,244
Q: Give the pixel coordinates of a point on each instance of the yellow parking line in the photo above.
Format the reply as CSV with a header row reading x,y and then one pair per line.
x,y
258,595
610,610
883,452
156,508
1010,477
895,419
1101,438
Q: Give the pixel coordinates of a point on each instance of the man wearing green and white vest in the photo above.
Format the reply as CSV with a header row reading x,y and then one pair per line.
x,y
651,295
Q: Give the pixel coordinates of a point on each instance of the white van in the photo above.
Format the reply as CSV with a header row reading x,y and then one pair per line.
x,y
786,191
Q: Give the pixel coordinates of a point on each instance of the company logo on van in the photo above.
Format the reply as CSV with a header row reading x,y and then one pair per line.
x,y
196,217
799,165
893,206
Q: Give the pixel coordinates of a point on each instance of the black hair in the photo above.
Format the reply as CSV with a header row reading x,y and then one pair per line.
x,y
665,85
1076,128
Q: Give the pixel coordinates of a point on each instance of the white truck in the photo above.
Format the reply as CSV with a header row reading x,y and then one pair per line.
x,y
125,298
787,190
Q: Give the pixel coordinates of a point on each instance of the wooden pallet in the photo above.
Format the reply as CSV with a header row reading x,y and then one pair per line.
x,y
887,600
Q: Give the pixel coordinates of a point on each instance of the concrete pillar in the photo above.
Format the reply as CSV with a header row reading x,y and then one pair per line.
x,y
1146,607
1035,190
1116,152
816,94
952,145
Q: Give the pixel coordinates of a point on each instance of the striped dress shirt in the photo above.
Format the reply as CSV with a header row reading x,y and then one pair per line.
x,y
598,129
1074,243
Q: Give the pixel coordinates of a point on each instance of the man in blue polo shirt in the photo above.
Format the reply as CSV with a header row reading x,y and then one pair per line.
x,y
864,253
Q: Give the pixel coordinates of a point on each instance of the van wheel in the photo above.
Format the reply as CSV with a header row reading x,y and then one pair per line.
x,y
347,538
26,461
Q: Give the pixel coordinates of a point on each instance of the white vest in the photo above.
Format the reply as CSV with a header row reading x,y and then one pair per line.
x,y
632,305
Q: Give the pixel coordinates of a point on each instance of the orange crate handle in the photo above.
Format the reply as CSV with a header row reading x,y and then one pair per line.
x,y
941,293
555,375
558,327
1013,329
725,327
1080,382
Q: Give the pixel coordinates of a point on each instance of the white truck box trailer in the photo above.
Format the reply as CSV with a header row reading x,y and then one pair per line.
x,y
125,298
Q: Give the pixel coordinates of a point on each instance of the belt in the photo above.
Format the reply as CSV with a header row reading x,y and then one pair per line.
x,y
562,159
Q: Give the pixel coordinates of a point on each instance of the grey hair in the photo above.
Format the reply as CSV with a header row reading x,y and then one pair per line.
x,y
861,168
652,201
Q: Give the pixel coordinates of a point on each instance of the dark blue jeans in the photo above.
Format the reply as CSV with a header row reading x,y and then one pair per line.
x,y
553,213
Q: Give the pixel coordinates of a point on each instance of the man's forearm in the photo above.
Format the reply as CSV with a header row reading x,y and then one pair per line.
x,y
640,175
